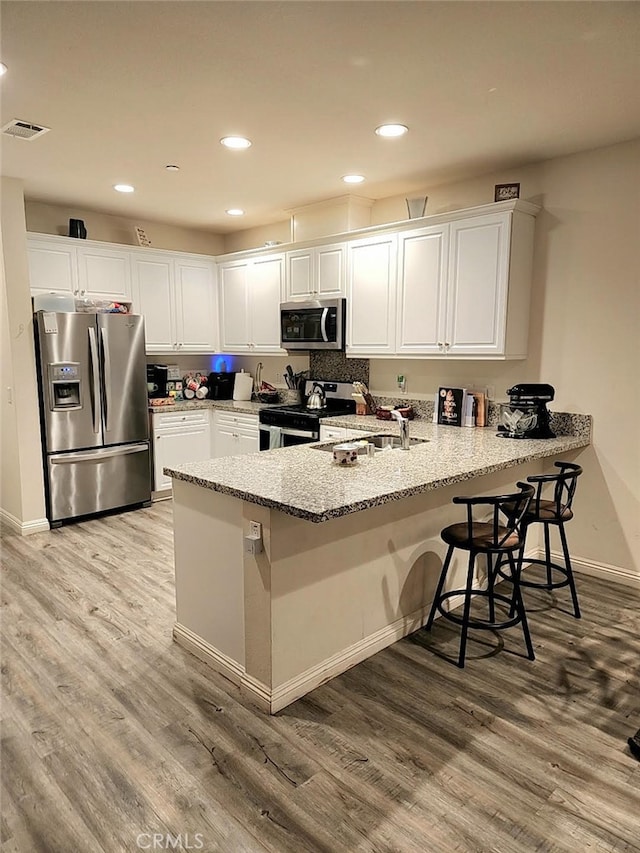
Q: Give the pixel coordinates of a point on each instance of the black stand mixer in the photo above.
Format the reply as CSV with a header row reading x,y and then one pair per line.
x,y
526,415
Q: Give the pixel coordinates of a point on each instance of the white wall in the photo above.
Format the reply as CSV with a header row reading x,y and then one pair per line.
x,y
54,219
22,494
584,331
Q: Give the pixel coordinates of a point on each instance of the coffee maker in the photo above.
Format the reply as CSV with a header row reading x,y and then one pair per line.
x,y
157,380
526,415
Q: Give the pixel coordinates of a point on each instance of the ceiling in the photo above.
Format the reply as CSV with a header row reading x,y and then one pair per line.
x,y
128,88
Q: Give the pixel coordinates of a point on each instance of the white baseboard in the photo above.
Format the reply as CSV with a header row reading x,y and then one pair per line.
x,y
598,570
205,652
24,528
313,677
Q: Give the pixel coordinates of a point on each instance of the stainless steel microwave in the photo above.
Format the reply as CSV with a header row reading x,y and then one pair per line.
x,y
319,324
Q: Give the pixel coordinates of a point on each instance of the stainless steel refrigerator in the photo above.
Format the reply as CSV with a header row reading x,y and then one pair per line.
x,y
94,412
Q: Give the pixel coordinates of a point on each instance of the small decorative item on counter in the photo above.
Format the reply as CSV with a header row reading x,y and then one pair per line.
x,y
161,402
383,413
345,454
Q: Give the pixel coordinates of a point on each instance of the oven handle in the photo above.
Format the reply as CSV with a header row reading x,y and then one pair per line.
x,y
300,433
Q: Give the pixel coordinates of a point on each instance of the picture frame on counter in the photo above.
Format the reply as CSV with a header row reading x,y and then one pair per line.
x,y
503,192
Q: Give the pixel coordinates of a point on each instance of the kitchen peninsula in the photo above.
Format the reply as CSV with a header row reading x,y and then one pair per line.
x,y
347,558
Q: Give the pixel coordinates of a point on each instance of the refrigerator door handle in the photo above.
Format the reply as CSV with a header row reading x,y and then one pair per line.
x,y
95,397
107,379
96,455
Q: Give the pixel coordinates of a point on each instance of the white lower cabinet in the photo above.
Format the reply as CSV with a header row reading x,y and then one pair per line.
x,y
337,433
235,434
178,437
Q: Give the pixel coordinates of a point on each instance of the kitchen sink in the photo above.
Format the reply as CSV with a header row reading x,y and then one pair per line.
x,y
380,442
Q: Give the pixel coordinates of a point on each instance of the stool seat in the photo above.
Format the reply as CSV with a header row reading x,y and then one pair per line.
x,y
480,537
497,539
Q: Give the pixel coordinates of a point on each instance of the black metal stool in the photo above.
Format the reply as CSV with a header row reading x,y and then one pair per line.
x,y
496,538
554,511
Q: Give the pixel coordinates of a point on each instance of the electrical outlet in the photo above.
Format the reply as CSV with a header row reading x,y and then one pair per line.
x,y
491,392
255,530
401,381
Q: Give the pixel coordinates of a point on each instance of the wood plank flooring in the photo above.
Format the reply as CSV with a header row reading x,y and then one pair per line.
x,y
111,733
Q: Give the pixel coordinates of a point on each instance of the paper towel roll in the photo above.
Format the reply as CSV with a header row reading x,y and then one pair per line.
x,y
243,386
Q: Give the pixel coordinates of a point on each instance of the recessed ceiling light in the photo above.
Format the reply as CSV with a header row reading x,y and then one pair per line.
x,y
235,142
3,69
172,168
392,130
124,188
235,211
353,179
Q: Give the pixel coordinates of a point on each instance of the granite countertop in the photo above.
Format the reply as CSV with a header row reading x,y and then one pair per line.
x,y
246,406
304,482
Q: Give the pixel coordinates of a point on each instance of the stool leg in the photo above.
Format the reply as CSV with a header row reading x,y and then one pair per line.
x,y
443,575
519,604
547,555
512,607
490,581
567,562
467,609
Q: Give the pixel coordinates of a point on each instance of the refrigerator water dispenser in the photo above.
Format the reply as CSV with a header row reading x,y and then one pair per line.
x,y
64,386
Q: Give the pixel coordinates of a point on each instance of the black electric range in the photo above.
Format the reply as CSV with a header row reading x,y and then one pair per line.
x,y
291,424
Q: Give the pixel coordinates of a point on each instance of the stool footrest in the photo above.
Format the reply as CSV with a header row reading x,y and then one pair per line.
x,y
483,624
540,584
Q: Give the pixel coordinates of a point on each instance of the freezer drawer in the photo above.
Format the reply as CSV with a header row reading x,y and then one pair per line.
x,y
93,481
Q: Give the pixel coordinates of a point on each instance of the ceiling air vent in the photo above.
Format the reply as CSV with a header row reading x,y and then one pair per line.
x,y
24,129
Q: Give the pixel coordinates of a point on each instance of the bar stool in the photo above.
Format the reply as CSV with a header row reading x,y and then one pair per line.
x,y
554,511
499,539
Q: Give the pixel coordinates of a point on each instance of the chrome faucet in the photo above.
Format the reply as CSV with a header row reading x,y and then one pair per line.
x,y
403,423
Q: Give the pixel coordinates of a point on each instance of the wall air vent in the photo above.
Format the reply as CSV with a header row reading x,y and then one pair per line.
x,y
24,129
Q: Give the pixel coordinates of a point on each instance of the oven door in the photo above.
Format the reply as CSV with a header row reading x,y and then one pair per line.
x,y
275,436
312,325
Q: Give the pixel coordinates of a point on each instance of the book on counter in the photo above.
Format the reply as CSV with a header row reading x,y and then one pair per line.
x,y
452,406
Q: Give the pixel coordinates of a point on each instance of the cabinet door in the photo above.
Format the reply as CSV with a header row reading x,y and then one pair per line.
x,y
52,267
266,279
195,314
177,446
371,295
249,442
234,309
478,279
299,275
422,283
153,298
331,270
104,272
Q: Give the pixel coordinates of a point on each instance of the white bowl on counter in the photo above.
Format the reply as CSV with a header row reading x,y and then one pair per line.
x,y
345,454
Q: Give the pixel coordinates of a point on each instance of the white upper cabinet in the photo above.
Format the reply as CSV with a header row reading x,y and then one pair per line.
x,y
422,290
250,295
316,273
371,295
53,266
266,279
104,272
154,298
176,296
464,286
195,305
234,309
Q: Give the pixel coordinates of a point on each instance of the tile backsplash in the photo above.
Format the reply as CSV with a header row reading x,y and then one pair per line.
x,y
329,364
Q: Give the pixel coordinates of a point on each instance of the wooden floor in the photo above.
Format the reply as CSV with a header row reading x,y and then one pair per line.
x,y
111,733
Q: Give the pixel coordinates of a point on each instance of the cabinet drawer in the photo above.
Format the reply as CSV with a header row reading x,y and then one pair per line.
x,y
167,420
234,420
